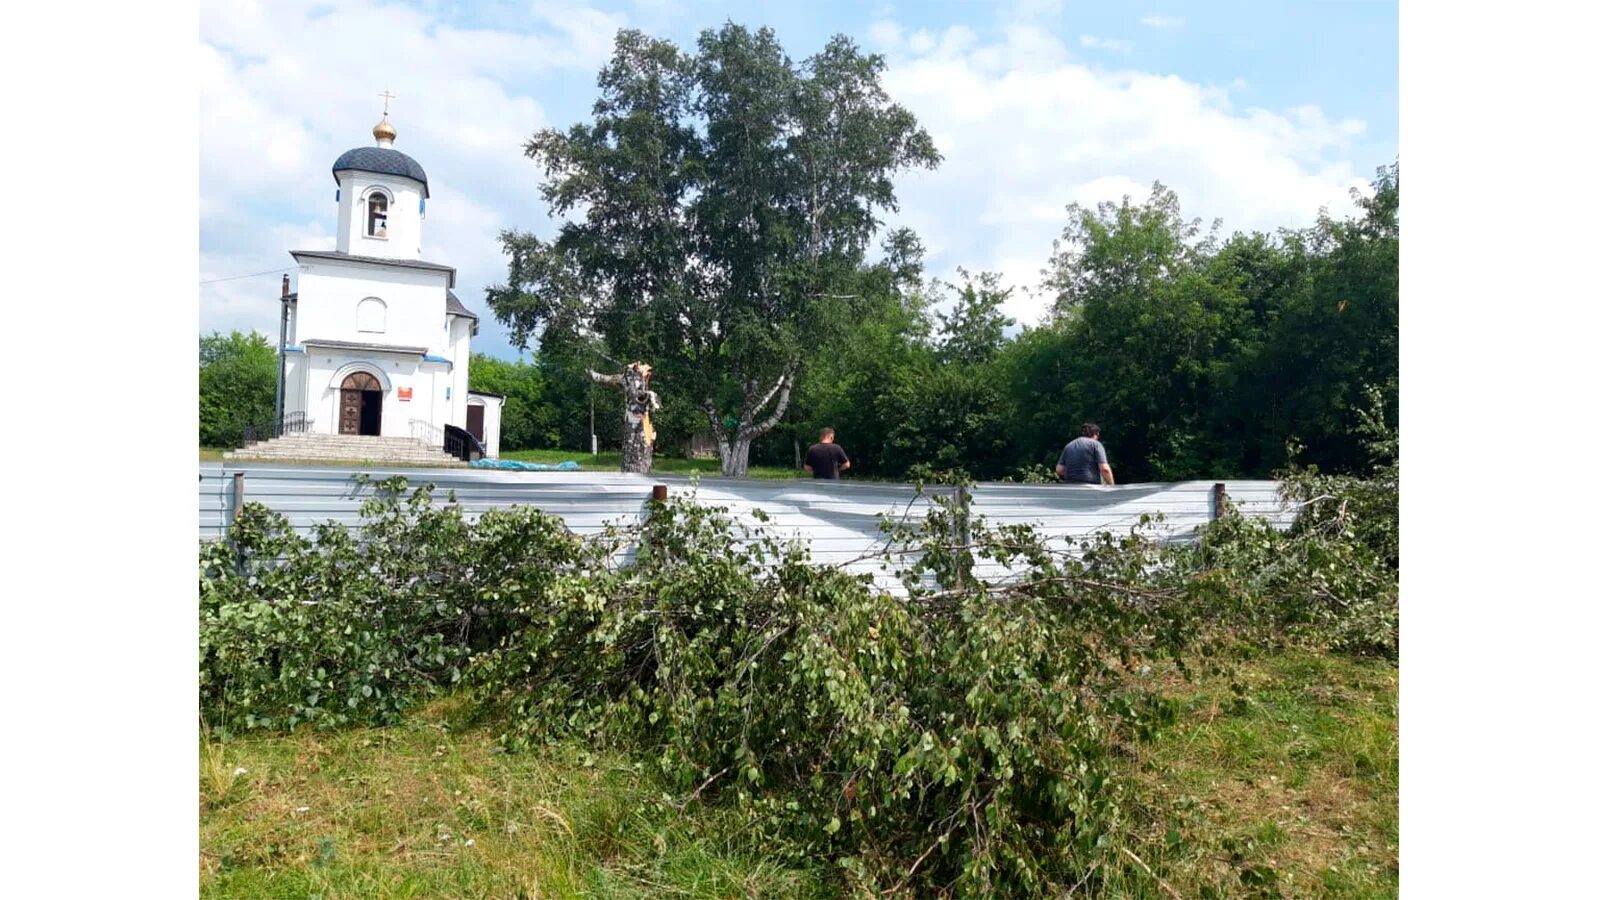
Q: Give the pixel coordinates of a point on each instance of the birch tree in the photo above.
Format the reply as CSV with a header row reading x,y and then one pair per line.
x,y
712,215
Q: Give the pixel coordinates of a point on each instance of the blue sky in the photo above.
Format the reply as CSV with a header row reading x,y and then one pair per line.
x,y
1258,113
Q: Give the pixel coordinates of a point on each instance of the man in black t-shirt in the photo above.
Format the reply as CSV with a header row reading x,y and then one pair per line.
x,y
826,459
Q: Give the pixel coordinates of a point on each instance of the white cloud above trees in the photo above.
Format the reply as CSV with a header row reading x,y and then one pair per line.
x,y
1026,126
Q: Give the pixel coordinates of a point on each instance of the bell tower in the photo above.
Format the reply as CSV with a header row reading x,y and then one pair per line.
x,y
383,197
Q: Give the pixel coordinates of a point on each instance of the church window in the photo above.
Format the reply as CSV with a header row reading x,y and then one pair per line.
x,y
378,215
370,315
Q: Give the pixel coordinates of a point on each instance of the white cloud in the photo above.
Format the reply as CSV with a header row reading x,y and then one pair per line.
x,y
1155,21
1025,130
1091,42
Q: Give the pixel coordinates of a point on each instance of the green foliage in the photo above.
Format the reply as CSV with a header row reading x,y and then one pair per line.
x,y
331,630
238,386
964,739
527,418
948,416
974,329
1203,361
961,741
722,202
1198,360
1334,578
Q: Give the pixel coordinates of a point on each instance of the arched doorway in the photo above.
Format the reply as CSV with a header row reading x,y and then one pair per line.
x,y
360,404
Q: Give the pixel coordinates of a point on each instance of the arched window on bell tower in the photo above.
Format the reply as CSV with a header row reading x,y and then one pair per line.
x,y
378,215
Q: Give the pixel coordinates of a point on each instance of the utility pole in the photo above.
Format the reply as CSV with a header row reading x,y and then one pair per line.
x,y
283,337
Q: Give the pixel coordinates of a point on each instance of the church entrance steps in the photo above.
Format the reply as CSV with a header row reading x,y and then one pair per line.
x,y
361,448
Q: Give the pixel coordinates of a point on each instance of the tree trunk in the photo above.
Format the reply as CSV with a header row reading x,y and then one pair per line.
x,y
638,451
733,445
637,454
736,459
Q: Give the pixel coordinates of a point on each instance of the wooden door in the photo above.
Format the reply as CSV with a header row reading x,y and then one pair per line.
x,y
349,411
357,391
475,421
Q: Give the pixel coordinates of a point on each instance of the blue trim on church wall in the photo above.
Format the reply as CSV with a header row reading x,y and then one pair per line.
x,y
431,358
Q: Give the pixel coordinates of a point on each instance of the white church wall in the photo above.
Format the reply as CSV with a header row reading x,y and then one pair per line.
x,y
414,304
491,425
460,354
294,394
492,407
326,370
405,218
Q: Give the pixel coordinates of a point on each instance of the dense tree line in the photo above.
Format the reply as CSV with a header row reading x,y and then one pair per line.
x,y
718,218
1200,357
720,221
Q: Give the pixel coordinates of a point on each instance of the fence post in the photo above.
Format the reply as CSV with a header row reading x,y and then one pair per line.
x,y
1219,500
658,493
238,496
963,534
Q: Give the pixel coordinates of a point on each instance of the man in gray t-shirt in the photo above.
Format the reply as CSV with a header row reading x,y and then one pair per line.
x,y
1084,460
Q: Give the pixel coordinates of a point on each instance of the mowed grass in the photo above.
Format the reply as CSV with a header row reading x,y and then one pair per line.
x,y
425,810
1292,793
611,461
214,454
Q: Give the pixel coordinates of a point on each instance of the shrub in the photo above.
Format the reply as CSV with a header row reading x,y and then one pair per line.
x,y
963,737
336,630
958,740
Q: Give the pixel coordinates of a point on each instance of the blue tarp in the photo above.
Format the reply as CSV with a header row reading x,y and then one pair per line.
x,y
568,466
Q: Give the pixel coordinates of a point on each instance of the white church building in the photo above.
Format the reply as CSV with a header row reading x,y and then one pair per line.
x,y
375,342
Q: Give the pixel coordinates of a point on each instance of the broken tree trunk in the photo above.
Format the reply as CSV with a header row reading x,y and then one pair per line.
x,y
638,436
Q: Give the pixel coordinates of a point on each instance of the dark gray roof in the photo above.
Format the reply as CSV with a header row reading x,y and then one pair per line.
x,y
380,161
376,260
356,345
453,306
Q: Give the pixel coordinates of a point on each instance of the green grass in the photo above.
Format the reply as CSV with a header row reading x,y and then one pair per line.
x,y
426,810
1292,793
611,461
214,454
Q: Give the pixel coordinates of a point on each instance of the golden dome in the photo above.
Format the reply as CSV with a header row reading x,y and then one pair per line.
x,y
383,131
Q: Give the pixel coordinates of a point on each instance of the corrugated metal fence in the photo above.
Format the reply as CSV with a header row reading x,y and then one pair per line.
x,y
839,521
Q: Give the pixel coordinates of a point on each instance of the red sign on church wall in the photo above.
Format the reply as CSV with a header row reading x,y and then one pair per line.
x,y
405,393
